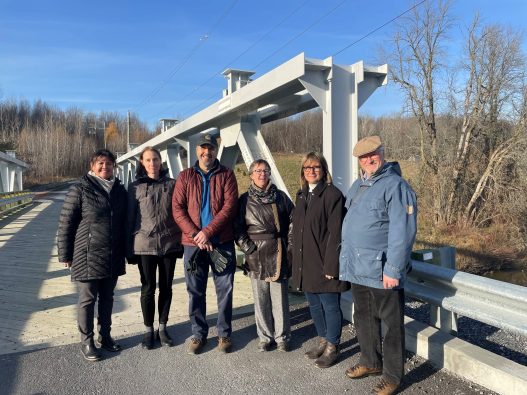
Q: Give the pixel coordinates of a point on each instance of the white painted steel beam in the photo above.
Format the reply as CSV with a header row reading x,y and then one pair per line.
x,y
295,86
11,170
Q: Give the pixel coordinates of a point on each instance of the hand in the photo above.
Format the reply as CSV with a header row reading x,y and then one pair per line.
x,y
201,238
389,282
328,276
206,246
67,264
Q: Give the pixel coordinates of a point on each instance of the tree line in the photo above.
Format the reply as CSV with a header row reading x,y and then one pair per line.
x,y
57,144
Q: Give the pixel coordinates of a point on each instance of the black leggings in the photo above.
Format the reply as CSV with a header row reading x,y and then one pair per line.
x,y
147,269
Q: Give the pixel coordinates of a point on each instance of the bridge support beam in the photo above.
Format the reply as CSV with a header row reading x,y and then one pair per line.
x,y
172,156
11,173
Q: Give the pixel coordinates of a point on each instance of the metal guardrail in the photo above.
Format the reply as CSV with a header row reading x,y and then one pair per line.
x,y
493,302
14,200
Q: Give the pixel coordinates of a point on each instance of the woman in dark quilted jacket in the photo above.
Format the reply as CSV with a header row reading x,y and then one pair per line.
x,y
91,243
262,233
154,241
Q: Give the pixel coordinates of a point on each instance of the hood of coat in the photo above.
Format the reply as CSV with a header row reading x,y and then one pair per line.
x,y
389,168
143,177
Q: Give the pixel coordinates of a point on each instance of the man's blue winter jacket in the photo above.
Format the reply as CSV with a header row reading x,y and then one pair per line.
x,y
379,228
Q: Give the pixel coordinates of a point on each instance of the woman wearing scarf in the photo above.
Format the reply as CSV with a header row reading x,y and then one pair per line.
x,y
154,242
261,232
91,243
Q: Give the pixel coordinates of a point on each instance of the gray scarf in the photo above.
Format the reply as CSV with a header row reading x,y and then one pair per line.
x,y
107,185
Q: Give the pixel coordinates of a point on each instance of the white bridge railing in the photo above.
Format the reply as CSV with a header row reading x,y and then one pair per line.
x,y
493,302
11,201
451,293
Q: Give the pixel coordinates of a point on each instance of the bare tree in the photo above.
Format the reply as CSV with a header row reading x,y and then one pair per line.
x,y
416,64
494,75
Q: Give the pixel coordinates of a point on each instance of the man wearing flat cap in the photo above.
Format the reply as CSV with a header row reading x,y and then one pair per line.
x,y
204,205
377,237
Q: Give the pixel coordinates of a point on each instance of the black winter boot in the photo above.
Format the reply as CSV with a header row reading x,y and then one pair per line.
x,y
90,352
164,338
317,350
328,357
148,340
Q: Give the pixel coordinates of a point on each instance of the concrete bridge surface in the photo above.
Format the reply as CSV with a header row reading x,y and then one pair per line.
x,y
39,351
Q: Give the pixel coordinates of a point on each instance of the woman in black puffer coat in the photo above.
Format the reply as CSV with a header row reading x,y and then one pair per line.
x,y
262,233
154,241
92,243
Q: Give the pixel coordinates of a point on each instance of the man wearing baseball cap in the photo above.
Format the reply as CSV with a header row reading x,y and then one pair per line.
x,y
204,205
377,237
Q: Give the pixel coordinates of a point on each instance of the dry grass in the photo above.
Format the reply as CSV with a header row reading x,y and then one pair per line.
x,y
288,166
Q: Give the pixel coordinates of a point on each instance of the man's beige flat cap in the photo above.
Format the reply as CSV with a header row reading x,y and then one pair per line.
x,y
367,145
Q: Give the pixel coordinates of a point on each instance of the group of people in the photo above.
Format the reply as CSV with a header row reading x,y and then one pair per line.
x,y
322,245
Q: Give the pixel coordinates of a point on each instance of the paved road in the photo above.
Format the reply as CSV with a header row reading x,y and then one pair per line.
x,y
39,353
61,370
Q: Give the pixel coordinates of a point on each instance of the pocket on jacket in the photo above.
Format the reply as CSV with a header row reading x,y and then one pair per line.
x,y
345,262
377,209
368,263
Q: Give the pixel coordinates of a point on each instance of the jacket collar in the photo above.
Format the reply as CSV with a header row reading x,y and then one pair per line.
x,y
389,168
321,186
90,181
216,167
163,174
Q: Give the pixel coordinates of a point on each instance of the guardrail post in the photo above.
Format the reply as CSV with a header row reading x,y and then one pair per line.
x,y
443,319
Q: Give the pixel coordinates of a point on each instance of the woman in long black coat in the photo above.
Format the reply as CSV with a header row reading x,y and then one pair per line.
x,y
317,222
91,242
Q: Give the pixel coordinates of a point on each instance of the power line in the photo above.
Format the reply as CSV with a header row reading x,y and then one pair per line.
x,y
296,37
300,34
379,28
282,21
173,72
285,44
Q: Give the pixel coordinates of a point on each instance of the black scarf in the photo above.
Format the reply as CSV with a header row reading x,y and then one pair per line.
x,y
263,196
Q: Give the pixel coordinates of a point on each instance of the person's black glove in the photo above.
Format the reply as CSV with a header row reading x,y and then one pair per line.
x,y
133,259
193,261
219,260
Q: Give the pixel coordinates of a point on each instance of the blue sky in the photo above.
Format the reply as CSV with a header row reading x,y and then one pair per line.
x,y
163,59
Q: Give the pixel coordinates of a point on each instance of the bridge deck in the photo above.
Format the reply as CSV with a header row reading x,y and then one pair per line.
x,y
37,311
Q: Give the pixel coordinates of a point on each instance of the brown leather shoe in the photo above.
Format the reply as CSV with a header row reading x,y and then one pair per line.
x,y
317,350
385,387
328,357
224,344
195,345
360,371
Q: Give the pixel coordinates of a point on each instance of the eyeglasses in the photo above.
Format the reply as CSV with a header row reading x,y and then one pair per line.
x,y
262,171
311,168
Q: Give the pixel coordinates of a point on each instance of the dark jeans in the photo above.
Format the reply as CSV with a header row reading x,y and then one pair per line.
x,y
147,269
326,314
373,305
197,287
89,292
